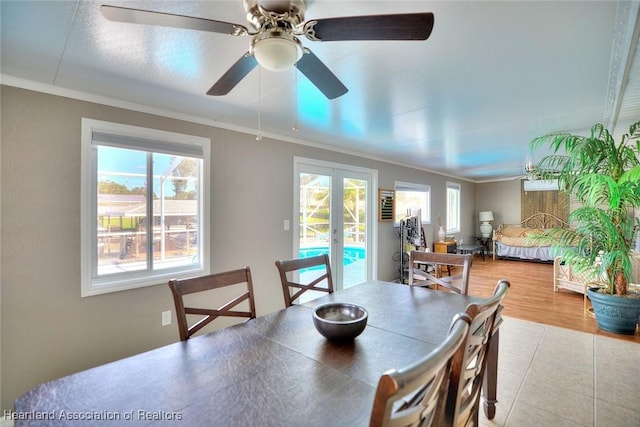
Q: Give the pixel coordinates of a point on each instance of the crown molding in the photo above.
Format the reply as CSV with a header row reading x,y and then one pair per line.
x,y
625,39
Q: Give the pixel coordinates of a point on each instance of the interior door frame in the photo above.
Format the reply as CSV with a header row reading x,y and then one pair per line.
x,y
300,163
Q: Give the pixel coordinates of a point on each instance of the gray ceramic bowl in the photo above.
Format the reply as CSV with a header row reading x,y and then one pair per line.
x,y
340,321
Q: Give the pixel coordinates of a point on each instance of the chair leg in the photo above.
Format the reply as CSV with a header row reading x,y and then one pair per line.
x,y
489,381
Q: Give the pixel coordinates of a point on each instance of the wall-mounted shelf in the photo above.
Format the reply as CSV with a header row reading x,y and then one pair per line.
x,y
386,205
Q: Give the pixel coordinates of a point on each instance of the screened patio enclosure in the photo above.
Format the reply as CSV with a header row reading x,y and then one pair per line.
x,y
317,233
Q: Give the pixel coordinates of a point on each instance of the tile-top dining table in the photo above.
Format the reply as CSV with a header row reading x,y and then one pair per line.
x,y
275,370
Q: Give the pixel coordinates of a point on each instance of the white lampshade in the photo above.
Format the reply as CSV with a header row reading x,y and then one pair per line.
x,y
485,216
276,52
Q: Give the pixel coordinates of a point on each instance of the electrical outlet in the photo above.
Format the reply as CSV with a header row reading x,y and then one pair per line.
x,y
166,318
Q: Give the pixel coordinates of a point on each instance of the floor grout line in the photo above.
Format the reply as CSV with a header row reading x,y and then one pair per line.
x,y
524,378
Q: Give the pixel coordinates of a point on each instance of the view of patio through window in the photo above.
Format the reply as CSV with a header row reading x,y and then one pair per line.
x,y
127,240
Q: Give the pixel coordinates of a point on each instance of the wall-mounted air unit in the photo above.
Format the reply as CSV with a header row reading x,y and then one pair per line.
x,y
541,185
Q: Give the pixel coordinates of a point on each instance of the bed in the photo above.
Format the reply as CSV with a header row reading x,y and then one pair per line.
x,y
510,240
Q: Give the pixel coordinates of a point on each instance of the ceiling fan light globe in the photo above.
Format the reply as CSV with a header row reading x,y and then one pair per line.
x,y
276,54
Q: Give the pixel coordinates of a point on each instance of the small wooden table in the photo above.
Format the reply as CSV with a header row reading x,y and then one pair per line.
x,y
447,246
276,369
471,249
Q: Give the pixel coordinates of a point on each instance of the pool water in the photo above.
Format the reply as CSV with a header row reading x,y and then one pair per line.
x,y
351,254
354,269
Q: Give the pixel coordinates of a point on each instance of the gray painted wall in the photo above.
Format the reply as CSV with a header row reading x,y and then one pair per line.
x,y
47,330
503,198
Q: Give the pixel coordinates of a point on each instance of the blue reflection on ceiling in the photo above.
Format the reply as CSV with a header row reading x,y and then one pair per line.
x,y
315,110
183,61
313,106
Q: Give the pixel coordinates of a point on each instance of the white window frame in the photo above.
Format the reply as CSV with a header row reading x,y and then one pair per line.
x,y
91,284
453,216
401,211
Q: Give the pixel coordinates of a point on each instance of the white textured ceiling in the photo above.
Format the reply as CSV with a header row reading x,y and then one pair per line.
x,y
466,102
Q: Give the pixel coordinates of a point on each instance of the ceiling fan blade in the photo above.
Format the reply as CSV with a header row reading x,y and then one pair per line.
x,y
232,77
148,17
315,70
409,26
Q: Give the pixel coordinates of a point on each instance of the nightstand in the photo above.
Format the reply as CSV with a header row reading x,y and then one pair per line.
x,y
486,242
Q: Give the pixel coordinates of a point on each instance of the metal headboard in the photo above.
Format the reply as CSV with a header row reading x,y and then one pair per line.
x,y
544,220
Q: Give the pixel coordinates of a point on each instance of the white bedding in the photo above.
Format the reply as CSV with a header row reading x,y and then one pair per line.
x,y
516,240
542,253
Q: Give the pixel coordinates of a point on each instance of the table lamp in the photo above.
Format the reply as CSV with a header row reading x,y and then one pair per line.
x,y
485,228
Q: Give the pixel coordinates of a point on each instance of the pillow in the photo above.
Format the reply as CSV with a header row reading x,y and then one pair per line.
x,y
530,231
513,231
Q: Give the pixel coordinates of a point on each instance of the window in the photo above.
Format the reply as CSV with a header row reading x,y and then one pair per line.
x,y
145,196
453,208
411,197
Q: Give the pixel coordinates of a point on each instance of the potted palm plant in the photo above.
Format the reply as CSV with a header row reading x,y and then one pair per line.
x,y
604,177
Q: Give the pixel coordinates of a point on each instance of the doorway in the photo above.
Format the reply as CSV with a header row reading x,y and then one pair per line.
x,y
334,211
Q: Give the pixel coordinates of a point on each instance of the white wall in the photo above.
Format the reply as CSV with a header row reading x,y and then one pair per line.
x,y
47,330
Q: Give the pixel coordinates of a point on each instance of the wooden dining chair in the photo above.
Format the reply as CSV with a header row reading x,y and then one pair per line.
x,y
416,395
239,284
469,365
433,264
293,287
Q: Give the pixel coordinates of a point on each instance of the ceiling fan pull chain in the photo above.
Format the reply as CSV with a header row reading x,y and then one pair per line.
x,y
295,128
259,135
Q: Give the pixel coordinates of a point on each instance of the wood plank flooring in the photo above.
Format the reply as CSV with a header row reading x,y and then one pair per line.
x,y
531,296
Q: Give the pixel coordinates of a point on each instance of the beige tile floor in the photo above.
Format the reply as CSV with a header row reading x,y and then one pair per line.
x,y
550,376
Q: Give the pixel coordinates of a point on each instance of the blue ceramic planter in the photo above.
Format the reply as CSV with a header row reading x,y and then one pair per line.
x,y
615,314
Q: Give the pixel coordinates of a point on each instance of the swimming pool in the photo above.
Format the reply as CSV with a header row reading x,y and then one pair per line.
x,y
354,268
351,253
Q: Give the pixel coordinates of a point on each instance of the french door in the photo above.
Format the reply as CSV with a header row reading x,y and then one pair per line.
x,y
334,211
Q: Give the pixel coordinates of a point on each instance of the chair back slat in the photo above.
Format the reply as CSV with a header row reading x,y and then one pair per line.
x,y
182,287
425,269
416,395
468,366
291,289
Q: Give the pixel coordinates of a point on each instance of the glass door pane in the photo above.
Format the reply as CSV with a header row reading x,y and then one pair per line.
x,y
333,216
315,208
315,224
354,224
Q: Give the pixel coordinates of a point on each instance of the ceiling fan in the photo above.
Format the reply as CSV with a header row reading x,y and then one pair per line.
x,y
274,44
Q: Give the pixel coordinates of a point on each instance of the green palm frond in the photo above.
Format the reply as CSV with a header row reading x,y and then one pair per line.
x,y
605,179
